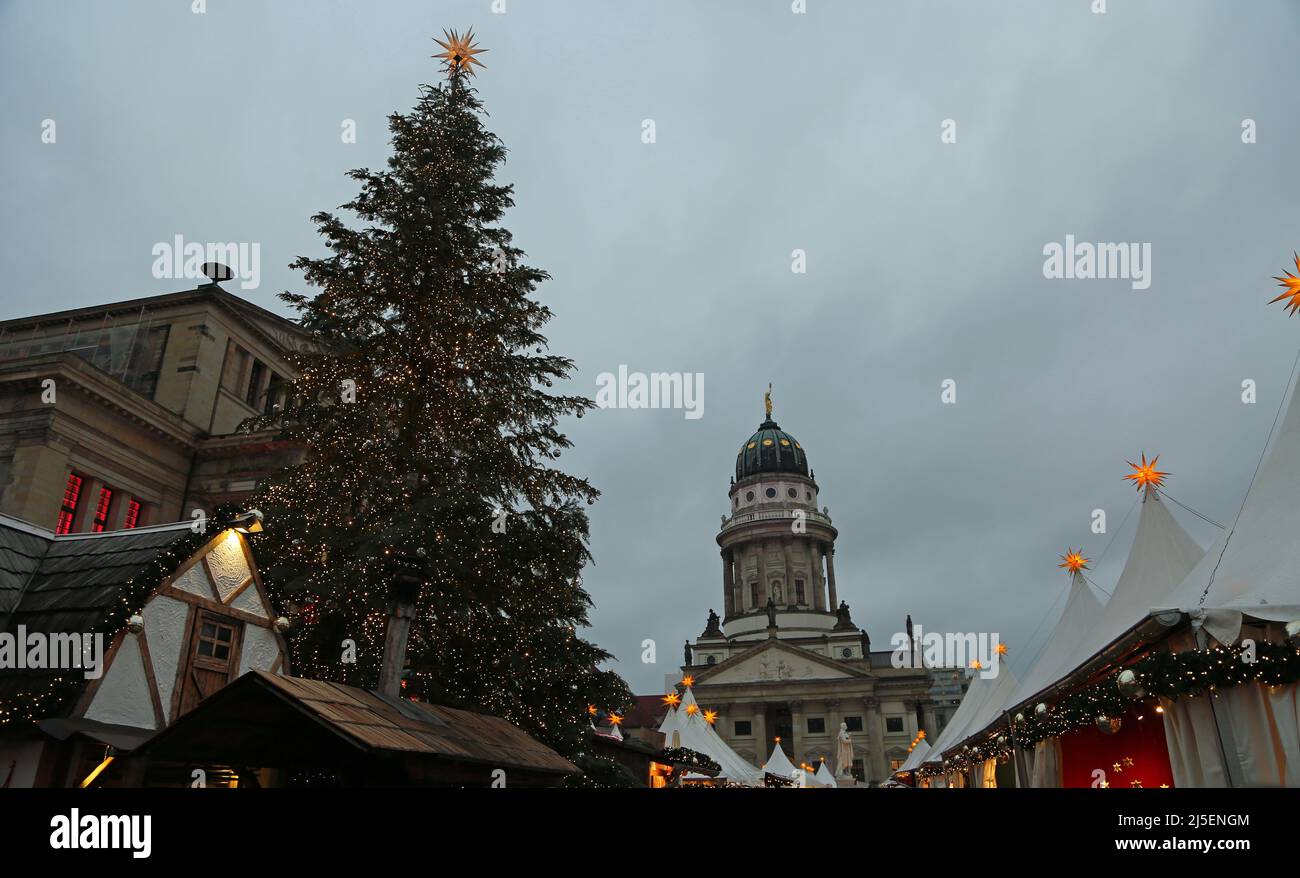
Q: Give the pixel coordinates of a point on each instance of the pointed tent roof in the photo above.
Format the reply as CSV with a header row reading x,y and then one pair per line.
x,y
778,763
1068,646
824,776
915,758
990,708
953,732
694,733
1161,556
1251,569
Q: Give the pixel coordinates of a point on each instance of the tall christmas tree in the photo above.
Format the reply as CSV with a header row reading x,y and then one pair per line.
x,y
431,430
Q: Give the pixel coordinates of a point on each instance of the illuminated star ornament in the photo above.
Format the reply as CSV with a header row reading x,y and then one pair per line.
x,y
710,716
1073,561
459,57
1002,649
1290,284
688,681
1145,475
671,699
615,719
692,709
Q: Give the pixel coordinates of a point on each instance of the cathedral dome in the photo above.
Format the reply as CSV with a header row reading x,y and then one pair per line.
x,y
770,450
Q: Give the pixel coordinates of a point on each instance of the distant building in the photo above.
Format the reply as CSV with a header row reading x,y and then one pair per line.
x,y
786,661
122,415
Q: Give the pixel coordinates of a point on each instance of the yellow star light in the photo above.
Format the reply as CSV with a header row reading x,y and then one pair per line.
x,y
1002,649
691,709
975,664
615,719
1118,768
1291,286
459,57
671,699
591,709
688,681
1145,475
1073,561
710,716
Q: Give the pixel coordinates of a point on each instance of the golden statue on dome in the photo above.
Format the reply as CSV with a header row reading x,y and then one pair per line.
x,y
767,400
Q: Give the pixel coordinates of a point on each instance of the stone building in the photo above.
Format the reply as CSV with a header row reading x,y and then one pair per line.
x,y
786,661
123,415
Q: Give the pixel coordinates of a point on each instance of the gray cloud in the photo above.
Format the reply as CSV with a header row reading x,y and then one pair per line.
x,y
775,132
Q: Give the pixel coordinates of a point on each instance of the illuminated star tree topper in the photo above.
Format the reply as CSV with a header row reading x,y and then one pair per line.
x,y
1145,475
1290,284
460,52
1073,561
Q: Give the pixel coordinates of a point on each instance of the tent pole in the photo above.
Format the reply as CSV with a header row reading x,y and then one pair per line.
x,y
1017,754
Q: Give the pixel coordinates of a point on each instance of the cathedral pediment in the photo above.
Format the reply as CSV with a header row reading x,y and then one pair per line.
x,y
775,662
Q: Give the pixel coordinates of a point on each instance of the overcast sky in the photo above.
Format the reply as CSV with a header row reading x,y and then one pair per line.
x,y
774,132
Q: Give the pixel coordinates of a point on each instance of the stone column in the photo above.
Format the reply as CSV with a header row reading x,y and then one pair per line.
x,y
728,585
816,551
790,597
833,720
761,744
87,501
738,588
830,577
873,763
762,574
796,732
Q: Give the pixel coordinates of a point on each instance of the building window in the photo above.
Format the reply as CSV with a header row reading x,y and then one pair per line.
x,y
753,594
895,764
799,592
215,640
854,723
132,514
893,724
743,728
71,498
256,376
711,660
816,725
792,493
770,492
275,394
859,772
102,505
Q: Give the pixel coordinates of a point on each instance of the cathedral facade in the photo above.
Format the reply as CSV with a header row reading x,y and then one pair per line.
x,y
785,662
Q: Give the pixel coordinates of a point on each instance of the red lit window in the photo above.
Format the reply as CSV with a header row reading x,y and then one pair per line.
x,y
132,514
71,496
101,509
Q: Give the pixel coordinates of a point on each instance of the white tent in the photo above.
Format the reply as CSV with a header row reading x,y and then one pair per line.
x,y
1251,571
1070,643
915,758
824,776
956,728
685,726
779,764
1252,568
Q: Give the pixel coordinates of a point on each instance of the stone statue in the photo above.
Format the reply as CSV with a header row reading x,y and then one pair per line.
x,y
842,619
771,612
712,629
844,752
767,401
686,650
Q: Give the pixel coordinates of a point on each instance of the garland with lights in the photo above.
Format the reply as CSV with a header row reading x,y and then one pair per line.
x,y
53,695
684,756
1172,675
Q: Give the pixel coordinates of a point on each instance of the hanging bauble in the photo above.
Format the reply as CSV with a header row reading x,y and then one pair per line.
x,y
1040,710
282,624
1002,740
1108,725
1293,633
1129,685
135,624
1020,717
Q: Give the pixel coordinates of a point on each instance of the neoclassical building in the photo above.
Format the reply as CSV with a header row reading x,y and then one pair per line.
x,y
786,661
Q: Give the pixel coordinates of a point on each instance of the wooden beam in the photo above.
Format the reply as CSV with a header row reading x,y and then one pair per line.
x,y
172,591
160,719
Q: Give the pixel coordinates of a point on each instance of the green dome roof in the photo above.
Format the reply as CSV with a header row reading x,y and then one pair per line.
x,y
771,450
